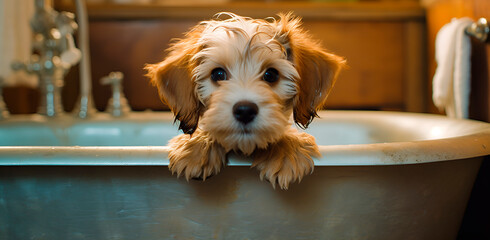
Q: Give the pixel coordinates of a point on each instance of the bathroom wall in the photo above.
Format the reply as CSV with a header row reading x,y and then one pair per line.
x,y
383,42
374,79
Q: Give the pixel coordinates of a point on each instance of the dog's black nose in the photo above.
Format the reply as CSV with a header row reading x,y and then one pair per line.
x,y
245,111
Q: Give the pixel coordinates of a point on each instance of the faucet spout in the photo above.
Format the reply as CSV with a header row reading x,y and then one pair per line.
x,y
85,105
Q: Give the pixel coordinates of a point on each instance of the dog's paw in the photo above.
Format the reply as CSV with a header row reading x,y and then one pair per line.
x,y
196,156
287,160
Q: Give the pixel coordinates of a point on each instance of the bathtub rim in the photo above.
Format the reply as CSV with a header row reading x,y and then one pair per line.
x,y
474,144
400,153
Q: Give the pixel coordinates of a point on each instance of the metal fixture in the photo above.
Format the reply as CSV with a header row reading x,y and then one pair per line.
x,y
479,29
85,106
54,54
118,104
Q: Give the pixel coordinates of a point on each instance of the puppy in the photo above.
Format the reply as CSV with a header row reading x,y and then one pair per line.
x,y
234,84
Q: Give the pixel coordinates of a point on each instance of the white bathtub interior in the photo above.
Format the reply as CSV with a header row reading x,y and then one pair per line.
x,y
157,128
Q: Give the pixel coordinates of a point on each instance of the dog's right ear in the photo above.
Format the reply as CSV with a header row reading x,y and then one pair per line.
x,y
173,78
317,69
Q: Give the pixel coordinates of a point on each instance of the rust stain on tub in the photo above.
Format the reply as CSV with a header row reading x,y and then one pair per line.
x,y
397,155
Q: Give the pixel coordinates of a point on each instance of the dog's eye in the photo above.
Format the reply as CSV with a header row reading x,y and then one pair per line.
x,y
271,75
218,74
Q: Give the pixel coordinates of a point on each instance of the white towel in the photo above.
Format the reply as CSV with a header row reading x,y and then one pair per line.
x,y
451,83
15,40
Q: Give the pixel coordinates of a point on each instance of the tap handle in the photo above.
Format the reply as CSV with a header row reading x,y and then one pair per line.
x,y
114,78
118,104
65,21
71,55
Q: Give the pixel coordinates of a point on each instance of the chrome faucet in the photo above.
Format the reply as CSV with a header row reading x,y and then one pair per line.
x,y
54,54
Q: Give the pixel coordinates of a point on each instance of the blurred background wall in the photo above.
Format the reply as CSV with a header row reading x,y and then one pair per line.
x,y
383,42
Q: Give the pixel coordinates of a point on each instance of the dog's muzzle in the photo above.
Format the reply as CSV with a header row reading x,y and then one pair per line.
x,y
245,111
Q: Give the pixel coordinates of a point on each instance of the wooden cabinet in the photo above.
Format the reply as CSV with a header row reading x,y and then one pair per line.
x,y
383,43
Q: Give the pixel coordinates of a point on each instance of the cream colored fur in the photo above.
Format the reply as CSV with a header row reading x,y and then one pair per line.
x,y
245,48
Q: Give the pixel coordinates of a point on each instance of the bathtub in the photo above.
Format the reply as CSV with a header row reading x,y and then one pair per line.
x,y
382,175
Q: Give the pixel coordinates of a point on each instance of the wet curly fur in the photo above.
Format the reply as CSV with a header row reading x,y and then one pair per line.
x,y
272,69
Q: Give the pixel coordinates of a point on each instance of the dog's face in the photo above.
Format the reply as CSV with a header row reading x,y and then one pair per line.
x,y
241,79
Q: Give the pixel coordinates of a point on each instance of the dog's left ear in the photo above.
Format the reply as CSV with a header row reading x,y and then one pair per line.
x,y
318,69
174,81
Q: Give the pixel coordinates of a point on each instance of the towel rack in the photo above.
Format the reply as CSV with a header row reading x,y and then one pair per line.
x,y
479,29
